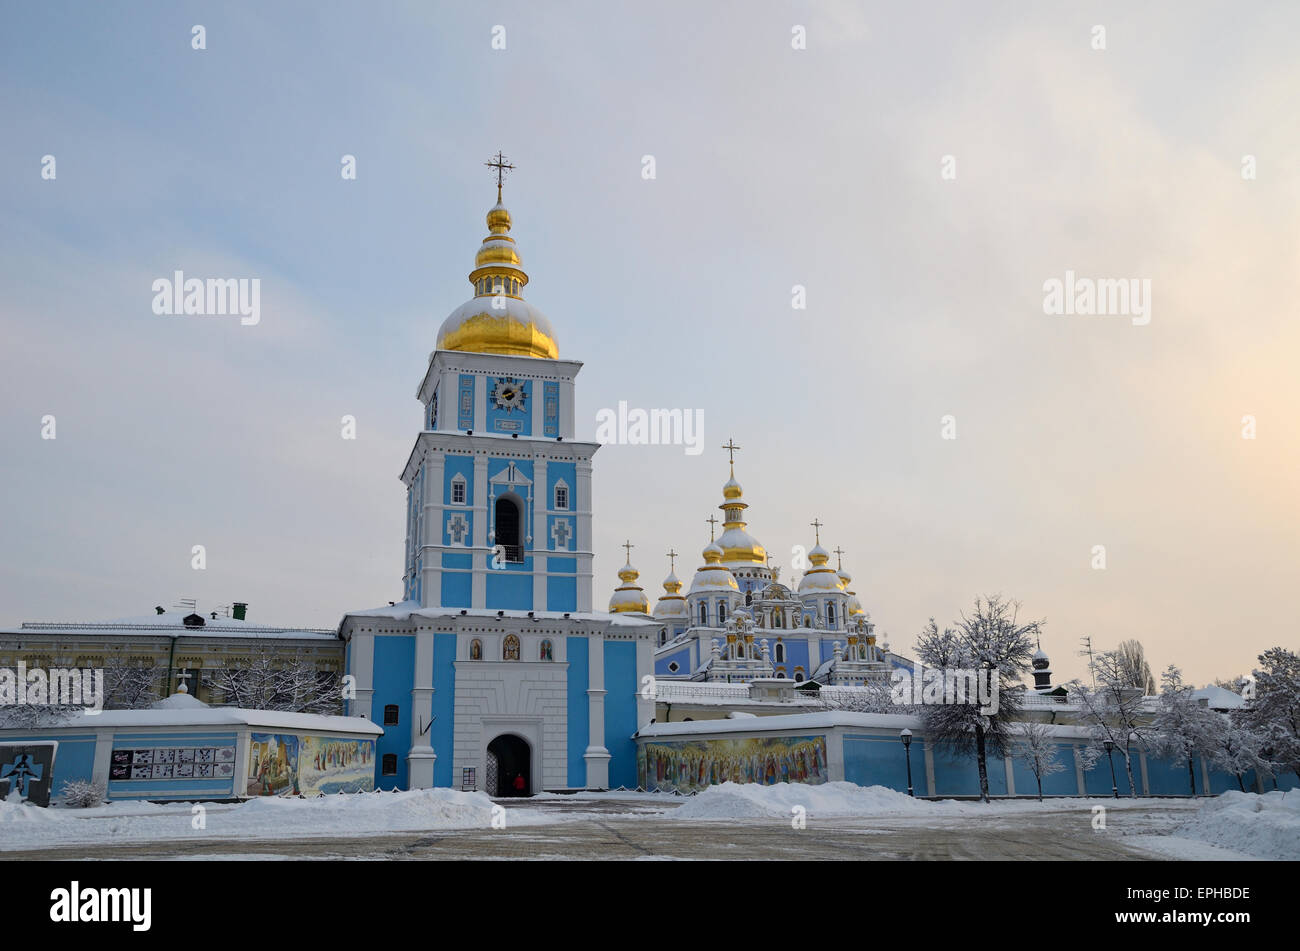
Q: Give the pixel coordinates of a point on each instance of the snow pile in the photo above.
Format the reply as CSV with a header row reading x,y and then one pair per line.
x,y
1266,826
413,811
753,801
30,827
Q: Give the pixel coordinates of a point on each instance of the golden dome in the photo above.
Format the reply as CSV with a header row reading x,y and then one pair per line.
x,y
820,577
629,597
497,319
672,605
738,546
713,575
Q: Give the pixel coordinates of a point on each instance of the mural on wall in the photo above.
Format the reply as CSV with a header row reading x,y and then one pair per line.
x,y
272,764
281,764
328,764
692,765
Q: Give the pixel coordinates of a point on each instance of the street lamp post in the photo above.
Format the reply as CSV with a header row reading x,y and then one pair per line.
x,y
906,737
1113,787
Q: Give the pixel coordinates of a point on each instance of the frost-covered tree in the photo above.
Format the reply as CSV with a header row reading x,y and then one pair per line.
x,y
1183,728
1035,746
1274,711
128,685
1113,711
872,697
990,640
270,681
1134,667
1237,748
26,716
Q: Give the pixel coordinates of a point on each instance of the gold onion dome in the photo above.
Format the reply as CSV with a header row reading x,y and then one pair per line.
x,y
820,577
738,546
629,597
671,604
713,575
497,319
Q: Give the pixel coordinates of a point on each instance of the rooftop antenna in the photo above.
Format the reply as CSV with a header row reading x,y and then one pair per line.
x,y
1086,641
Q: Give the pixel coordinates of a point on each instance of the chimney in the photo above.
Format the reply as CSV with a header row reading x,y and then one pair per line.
x,y
239,609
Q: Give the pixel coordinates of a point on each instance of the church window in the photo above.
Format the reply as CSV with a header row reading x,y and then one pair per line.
x,y
547,652
722,612
780,675
704,615
780,653
390,715
476,649
458,491
510,650
508,530
798,676
561,496
830,613
388,765
674,667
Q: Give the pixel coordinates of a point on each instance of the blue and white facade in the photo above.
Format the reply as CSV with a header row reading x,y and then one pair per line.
x,y
495,641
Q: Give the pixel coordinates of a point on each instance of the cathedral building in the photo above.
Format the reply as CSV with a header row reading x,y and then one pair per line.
x,y
493,673
738,623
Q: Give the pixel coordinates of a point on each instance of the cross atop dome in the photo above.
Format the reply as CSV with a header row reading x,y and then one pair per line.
x,y
501,165
817,528
712,525
839,559
672,561
731,448
629,546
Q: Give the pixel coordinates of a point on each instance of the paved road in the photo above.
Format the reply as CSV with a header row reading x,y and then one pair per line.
x,y
603,830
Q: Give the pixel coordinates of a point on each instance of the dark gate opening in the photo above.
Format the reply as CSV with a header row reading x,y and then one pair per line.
x,y
514,762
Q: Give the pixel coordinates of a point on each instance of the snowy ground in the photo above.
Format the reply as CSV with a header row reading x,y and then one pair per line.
x,y
837,820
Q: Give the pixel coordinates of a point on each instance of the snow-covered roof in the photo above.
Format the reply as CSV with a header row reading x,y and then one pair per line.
x,y
1219,698
170,624
164,714
404,610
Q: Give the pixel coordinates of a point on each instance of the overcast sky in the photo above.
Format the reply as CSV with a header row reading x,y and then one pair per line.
x,y
774,167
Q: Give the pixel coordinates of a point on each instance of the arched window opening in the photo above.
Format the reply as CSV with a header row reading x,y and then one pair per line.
x,y
509,534
388,765
390,715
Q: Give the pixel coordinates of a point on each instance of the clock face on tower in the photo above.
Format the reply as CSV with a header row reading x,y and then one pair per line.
x,y
508,394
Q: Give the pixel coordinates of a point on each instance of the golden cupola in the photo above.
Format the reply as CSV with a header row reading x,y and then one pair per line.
x,y
820,578
497,319
629,597
672,605
738,546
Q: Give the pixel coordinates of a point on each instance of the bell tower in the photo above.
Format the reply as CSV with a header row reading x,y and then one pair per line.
x,y
498,493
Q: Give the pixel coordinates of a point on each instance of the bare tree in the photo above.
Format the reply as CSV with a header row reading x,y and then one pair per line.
x,y
271,681
1134,667
994,644
1035,746
1113,711
872,697
129,686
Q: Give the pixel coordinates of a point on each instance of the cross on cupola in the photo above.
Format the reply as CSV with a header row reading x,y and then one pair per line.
x,y
817,528
712,524
672,561
839,559
629,546
731,448
502,166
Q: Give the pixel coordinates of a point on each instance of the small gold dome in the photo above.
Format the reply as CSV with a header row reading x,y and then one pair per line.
x,y
629,597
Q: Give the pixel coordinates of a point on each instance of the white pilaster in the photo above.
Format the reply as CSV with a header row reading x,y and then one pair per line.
x,y
363,669
421,757
541,533
597,756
